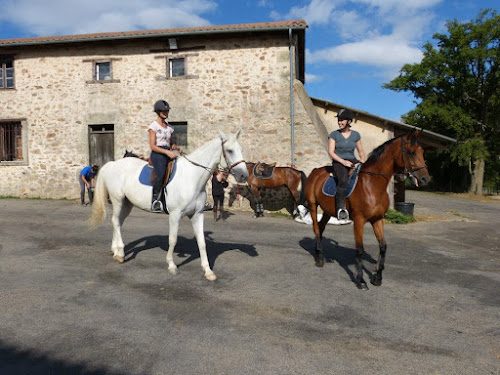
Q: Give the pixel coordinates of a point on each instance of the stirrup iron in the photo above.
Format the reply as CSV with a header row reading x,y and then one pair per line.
x,y
157,206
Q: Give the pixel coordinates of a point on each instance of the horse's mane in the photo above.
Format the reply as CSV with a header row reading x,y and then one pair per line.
x,y
377,152
130,154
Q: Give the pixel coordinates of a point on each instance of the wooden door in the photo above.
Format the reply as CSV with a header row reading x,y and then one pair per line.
x,y
101,144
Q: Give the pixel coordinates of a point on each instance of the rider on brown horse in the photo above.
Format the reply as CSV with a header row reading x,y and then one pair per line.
x,y
341,145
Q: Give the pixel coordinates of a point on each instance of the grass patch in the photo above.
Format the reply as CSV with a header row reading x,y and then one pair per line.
x,y
279,213
396,217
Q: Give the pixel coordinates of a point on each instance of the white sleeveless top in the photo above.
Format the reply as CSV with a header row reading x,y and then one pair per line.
x,y
163,135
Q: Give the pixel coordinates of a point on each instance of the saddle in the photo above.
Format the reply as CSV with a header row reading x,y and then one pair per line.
x,y
330,185
170,167
263,170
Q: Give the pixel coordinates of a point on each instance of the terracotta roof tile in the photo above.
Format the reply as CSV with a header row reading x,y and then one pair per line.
x,y
295,24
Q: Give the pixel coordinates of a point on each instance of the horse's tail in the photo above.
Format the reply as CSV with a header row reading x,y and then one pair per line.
x,y
100,202
302,199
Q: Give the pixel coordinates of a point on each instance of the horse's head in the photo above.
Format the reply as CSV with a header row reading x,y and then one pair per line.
x,y
413,159
233,156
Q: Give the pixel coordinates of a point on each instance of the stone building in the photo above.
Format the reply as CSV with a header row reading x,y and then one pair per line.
x,y
77,100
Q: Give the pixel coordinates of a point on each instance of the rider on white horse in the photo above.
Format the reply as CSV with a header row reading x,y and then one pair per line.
x,y
161,143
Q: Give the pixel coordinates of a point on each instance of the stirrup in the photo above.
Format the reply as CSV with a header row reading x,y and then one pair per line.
x,y
157,207
342,214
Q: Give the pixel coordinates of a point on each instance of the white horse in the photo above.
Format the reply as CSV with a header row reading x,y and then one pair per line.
x,y
186,195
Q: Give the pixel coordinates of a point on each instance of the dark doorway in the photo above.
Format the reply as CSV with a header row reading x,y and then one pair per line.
x,y
101,144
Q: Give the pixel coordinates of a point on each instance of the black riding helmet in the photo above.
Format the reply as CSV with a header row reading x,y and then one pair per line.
x,y
345,114
161,106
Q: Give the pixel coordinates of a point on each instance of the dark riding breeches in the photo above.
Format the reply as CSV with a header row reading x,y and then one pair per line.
x,y
159,162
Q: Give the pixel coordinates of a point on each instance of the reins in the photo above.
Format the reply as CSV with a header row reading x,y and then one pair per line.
x,y
211,170
407,171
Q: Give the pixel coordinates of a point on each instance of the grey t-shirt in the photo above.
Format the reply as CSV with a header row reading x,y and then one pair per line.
x,y
344,147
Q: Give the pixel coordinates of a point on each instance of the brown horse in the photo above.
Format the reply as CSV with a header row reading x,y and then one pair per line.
x,y
292,178
369,201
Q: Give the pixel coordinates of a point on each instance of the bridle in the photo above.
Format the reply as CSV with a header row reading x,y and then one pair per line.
x,y
225,158
211,170
407,171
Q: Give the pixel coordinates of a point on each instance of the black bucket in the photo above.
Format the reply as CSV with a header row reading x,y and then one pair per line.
x,y
405,208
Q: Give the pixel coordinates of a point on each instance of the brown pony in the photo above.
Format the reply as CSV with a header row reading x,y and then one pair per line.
x,y
292,178
369,201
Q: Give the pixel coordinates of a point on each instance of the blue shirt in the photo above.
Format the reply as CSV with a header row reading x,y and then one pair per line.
x,y
87,172
344,147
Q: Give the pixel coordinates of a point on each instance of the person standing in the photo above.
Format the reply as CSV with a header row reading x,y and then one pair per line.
x,y
341,146
86,177
219,183
162,144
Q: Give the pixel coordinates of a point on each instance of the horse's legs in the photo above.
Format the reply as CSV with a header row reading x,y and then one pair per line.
x,y
318,251
121,209
259,208
173,224
197,221
378,229
360,252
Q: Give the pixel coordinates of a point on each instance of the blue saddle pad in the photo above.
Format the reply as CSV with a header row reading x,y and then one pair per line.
x,y
330,186
145,176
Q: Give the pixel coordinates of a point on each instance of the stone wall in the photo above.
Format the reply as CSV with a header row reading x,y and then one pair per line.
x,y
238,82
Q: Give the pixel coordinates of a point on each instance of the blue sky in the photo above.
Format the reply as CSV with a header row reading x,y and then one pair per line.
x,y
353,46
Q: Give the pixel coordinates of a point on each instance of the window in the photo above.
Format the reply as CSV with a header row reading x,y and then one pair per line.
x,y
176,67
6,72
11,141
180,133
103,71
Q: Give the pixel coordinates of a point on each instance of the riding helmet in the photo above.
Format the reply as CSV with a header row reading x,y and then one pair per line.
x,y
161,105
345,114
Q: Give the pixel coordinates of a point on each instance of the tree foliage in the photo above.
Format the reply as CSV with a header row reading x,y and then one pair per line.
x,y
457,91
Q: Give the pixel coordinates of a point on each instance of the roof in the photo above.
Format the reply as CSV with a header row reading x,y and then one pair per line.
x,y
245,27
433,139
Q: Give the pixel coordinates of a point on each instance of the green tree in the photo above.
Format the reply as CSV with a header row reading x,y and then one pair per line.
x,y
457,91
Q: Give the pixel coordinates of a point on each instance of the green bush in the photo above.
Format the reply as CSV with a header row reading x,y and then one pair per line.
x,y
396,217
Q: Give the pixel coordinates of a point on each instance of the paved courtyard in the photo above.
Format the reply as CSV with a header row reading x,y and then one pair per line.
x,y
67,307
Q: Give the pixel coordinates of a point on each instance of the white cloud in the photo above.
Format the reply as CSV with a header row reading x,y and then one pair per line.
x,y
52,17
384,52
407,5
379,35
316,12
313,78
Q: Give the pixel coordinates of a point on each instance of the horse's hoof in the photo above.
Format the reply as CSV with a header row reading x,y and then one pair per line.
x,y
211,276
319,262
172,270
362,286
118,258
377,281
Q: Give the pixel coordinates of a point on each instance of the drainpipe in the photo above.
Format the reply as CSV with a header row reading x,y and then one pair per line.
x,y
291,96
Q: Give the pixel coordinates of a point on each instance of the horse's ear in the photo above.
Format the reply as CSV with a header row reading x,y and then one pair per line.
x,y
238,133
222,136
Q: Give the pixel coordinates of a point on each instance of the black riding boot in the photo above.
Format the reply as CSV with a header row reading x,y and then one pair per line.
x,y
215,213
156,204
342,213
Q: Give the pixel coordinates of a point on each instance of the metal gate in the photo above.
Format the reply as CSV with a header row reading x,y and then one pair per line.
x,y
101,144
